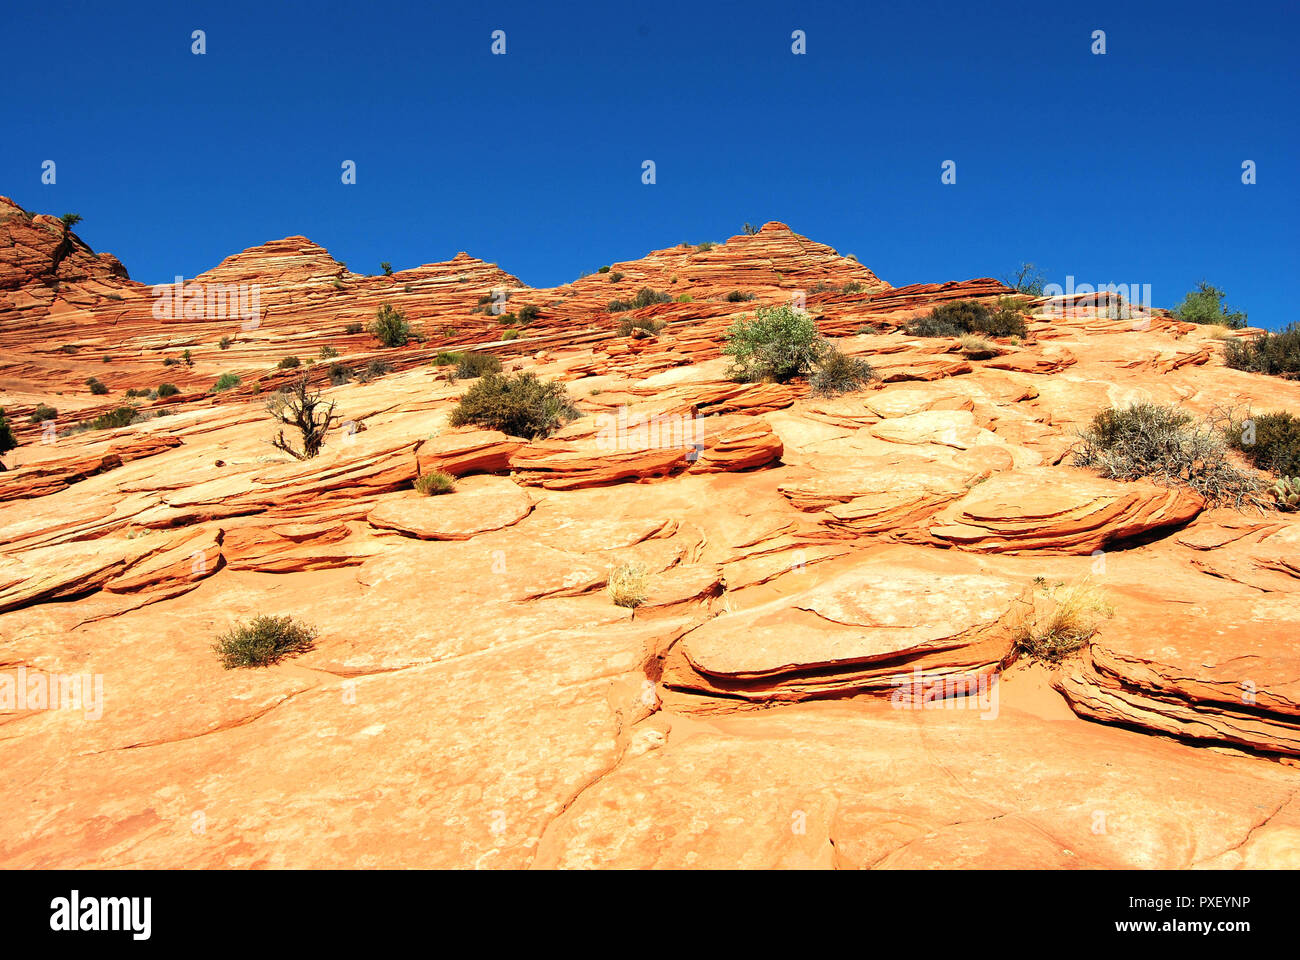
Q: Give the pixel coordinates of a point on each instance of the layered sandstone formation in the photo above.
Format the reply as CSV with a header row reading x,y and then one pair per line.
x,y
821,675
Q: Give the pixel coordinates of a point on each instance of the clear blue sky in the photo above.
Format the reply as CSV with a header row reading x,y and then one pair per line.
x,y
1117,168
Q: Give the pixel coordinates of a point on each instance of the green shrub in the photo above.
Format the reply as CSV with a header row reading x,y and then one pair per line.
x,y
328,353
853,286
374,369
7,439
354,328
387,268
170,362
1270,441
339,374
684,298
1277,354
1166,445
166,390
644,297
121,417
615,277
224,382
390,327
1286,493
44,412
521,406
470,365
264,641
704,247
97,388
435,484
777,343
737,296
289,363
70,219
510,335
603,270
836,373
446,358
224,343
528,314
1205,305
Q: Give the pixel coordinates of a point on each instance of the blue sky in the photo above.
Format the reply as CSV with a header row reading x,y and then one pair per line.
x,y
1122,168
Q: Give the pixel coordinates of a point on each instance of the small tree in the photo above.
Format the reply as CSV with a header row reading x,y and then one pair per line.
x,y
390,327
750,229
70,220
7,439
301,407
1028,279
387,268
1205,305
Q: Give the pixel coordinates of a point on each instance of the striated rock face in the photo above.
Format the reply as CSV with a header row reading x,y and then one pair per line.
x,y
833,588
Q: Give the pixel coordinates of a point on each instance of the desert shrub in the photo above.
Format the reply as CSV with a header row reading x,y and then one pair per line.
x,y
168,390
289,363
1166,445
390,327
521,406
328,353
338,284
121,417
510,335
339,374
506,319
615,277
354,328
374,369
644,297
648,324
853,286
44,412
446,358
750,229
704,247
224,343
1028,280
1072,617
1205,305
738,296
836,373
97,388
470,365
224,382
132,393
170,362
684,298
777,343
69,348
387,268
264,641
7,439
1277,354
527,314
302,408
627,585
435,484
958,317
603,270
1270,441
187,358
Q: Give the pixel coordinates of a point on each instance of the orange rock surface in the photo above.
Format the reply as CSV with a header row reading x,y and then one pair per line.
x,y
821,674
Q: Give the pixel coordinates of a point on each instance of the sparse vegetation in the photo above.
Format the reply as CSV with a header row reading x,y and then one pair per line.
x,y
615,277
527,314
704,247
97,388
339,374
1205,305
226,381
836,373
1064,619
302,408
374,369
777,343
435,484
977,348
603,270
627,585
853,286
121,417
387,268
70,220
328,353
44,412
354,328
1277,354
224,343
390,327
289,363
750,229
520,405
264,641
510,335
7,439
1286,493
1166,445
738,296
166,390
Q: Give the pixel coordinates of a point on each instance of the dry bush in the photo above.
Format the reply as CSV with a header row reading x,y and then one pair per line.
x,y
1069,618
627,585
302,408
435,484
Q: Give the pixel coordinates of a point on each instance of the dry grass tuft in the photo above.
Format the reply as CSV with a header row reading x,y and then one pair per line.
x,y
1066,618
627,585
